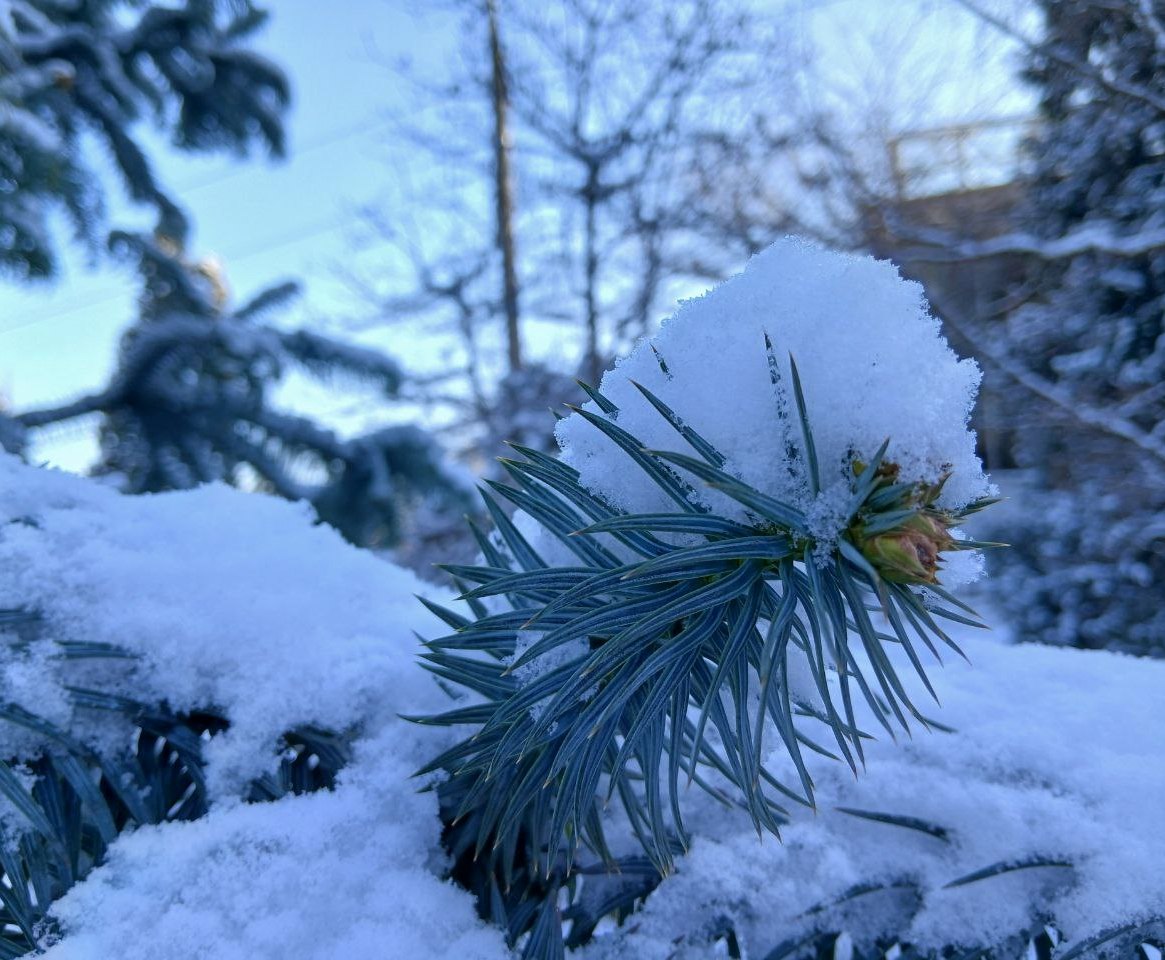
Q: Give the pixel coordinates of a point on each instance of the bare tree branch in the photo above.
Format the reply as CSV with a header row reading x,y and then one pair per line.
x,y
1105,420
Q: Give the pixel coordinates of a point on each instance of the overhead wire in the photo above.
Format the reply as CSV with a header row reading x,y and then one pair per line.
x,y
303,232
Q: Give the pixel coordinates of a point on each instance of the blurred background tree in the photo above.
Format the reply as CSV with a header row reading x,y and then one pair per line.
x,y
189,401
68,70
1055,281
1093,331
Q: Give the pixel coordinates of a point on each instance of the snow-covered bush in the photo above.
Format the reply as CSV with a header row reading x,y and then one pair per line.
x,y
1030,798
193,649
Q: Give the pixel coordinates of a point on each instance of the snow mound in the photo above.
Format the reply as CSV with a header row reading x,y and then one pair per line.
x,y
345,875
872,362
1058,756
241,602
230,601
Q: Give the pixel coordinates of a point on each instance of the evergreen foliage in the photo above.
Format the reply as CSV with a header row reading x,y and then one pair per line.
x,y
1094,328
1042,941
67,805
190,403
98,67
659,654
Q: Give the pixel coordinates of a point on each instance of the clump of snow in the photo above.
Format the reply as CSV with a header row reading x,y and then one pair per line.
x,y
550,660
827,515
961,566
241,602
872,362
544,663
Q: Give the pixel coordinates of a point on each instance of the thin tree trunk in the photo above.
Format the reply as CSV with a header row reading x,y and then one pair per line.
x,y
504,190
591,255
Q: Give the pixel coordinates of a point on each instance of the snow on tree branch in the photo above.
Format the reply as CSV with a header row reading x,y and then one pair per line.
x,y
1106,81
1104,237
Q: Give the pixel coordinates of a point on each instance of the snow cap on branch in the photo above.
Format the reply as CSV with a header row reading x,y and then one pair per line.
x,y
872,361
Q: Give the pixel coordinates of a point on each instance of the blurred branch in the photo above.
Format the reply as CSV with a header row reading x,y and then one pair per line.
x,y
1105,420
1096,237
1152,23
1112,84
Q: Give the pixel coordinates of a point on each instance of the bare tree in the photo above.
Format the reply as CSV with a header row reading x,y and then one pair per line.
x,y
557,221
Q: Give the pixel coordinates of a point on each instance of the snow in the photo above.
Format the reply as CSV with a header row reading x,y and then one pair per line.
x,y
232,618
548,661
231,596
1098,236
240,601
244,603
872,362
328,876
1058,754
543,664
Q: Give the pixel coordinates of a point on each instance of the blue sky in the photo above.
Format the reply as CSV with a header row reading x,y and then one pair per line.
x,y
269,221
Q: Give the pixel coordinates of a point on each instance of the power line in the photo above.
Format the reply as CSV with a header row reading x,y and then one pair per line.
x,y
338,135
305,232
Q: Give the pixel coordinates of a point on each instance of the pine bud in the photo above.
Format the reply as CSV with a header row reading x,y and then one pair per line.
x,y
910,550
903,556
933,526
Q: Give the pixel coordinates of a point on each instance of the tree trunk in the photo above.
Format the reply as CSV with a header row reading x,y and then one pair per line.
x,y
592,363
504,190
